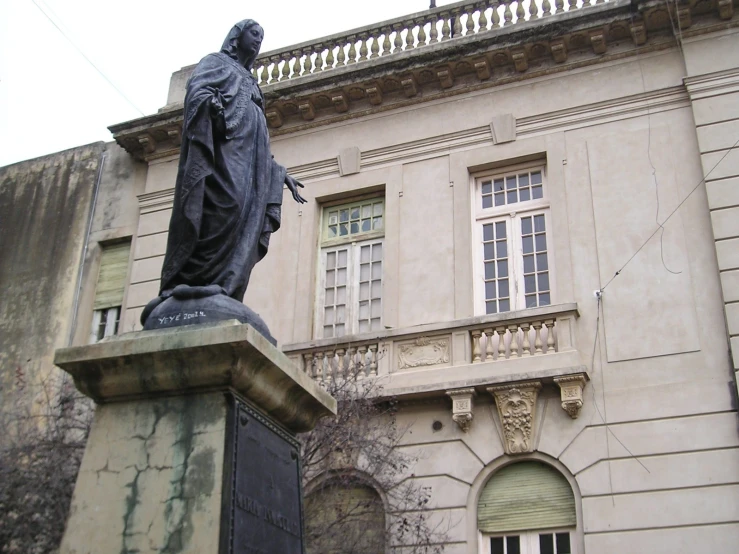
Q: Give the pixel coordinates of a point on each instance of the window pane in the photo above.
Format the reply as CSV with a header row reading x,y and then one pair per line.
x,y
525,194
341,277
500,230
487,187
541,242
541,262
364,326
355,213
331,231
328,316
340,314
376,324
377,223
491,307
528,264
364,290
489,250
502,249
503,269
377,208
490,290
366,225
329,297
499,199
496,545
512,197
328,331
377,270
343,229
331,260
528,245
529,283
536,192
376,308
364,254
364,310
377,252
489,270
330,278
563,543
513,545
498,185
546,544
538,223
536,178
503,287
376,289
510,183
333,218
504,305
364,272
523,180
341,295
343,258
344,215
544,281
487,232
544,299
531,301
526,225
367,210
487,202
354,228
340,330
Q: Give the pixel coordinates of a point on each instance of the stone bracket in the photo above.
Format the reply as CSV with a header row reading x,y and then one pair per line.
x,y
517,409
462,407
571,387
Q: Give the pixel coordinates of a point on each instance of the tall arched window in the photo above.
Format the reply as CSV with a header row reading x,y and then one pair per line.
x,y
527,508
344,519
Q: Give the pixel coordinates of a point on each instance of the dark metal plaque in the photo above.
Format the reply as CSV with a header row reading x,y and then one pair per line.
x,y
262,504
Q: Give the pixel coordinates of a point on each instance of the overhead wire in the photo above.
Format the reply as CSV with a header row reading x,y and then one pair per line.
x,y
80,51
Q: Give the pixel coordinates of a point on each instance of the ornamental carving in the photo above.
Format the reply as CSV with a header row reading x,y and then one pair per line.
x,y
571,387
462,407
423,352
517,409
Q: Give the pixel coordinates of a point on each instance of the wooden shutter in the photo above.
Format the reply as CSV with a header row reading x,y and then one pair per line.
x,y
523,496
112,276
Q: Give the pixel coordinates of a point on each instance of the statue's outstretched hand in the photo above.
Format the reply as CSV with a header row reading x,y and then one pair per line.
x,y
293,185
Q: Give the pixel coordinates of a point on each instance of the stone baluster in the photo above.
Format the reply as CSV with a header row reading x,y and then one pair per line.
x,y
386,43
520,12
546,7
470,24
514,341
351,362
489,345
533,10
319,59
421,32
507,14
457,22
500,331
363,47
308,365
559,5
525,327
550,335
287,68
572,5
319,369
585,3
330,57
445,29
362,372
330,356
482,20
352,50
495,16
476,334
373,360
341,55
434,31
537,337
264,74
275,75
410,38
375,49
307,66
340,363
398,42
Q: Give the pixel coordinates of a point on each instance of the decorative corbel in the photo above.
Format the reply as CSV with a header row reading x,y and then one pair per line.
x,y
409,86
571,387
517,409
482,67
559,50
307,110
445,77
175,135
598,41
148,143
684,17
340,103
520,60
462,407
639,33
725,9
375,95
274,118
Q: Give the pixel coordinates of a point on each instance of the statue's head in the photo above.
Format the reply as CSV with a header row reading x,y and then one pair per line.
x,y
244,41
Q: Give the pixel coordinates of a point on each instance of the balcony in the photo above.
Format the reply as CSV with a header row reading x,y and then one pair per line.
x,y
532,344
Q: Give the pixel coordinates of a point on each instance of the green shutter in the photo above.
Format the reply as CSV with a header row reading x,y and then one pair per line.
x,y
525,496
112,276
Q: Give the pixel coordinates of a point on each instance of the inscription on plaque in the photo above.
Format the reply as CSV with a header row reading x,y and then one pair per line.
x,y
265,512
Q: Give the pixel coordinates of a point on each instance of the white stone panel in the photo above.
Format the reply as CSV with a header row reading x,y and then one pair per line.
x,y
154,222
147,269
721,164
151,245
725,223
723,193
727,253
453,459
720,136
732,318
716,109
730,285
139,294
661,509
444,492
710,538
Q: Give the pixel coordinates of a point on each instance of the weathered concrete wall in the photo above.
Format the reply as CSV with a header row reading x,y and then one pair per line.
x,y
44,214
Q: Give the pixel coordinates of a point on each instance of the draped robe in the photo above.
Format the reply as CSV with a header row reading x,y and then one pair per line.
x,y
229,189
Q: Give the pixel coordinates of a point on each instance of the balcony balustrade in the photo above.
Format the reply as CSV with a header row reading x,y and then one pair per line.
x,y
394,36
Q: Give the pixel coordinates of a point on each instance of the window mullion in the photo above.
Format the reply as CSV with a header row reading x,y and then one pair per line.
x,y
353,296
517,261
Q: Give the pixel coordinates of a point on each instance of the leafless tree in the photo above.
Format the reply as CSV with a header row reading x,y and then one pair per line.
x,y
44,435
360,495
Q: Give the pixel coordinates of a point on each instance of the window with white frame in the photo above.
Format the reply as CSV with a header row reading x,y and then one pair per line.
x,y
109,290
513,255
529,542
350,283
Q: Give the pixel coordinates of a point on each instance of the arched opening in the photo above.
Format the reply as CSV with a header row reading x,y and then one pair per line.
x,y
344,518
527,508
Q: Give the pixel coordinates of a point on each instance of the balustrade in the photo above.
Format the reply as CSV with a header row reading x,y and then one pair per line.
x,y
514,340
402,34
326,365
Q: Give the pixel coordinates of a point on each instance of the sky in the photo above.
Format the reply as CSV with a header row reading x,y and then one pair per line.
x,y
52,99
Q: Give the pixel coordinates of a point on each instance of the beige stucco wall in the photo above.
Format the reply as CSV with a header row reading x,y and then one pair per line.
x,y
615,139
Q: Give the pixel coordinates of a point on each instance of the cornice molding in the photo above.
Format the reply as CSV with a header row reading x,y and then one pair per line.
x,y
712,84
156,201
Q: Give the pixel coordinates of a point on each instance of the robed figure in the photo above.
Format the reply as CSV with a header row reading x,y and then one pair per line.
x,y
228,191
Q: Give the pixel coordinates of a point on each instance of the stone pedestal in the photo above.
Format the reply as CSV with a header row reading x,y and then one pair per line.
x,y
193,447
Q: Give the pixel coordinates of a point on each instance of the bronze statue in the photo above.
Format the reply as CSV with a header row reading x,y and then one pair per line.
x,y
227,195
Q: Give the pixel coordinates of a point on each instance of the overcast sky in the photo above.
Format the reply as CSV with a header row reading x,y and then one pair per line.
x,y
52,99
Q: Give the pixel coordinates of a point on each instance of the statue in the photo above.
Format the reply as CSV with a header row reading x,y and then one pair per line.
x,y
228,192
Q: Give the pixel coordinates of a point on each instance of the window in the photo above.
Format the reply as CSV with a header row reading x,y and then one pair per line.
x,y
350,284
526,508
111,284
512,223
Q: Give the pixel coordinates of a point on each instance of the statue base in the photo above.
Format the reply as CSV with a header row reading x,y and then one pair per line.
x,y
192,447
191,305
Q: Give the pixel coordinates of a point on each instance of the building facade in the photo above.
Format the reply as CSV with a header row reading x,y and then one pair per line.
x,y
522,219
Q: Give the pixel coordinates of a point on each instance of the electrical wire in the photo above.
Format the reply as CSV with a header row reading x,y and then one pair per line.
x,y
670,215
79,50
